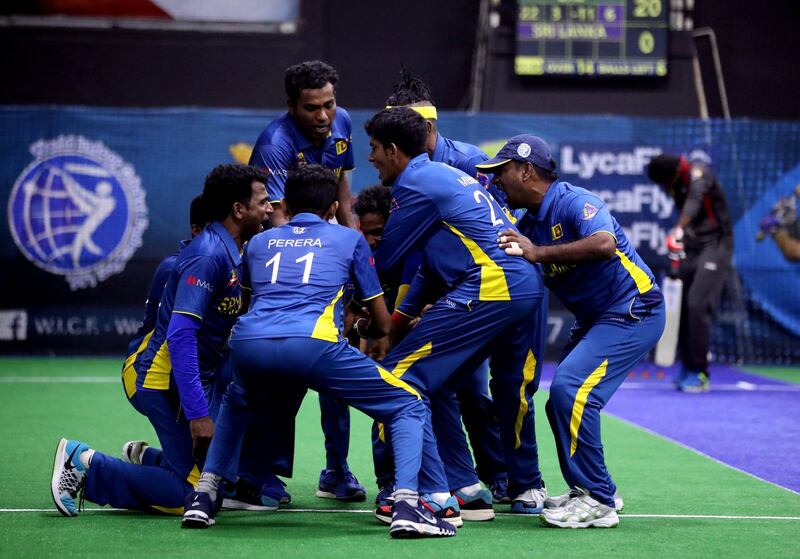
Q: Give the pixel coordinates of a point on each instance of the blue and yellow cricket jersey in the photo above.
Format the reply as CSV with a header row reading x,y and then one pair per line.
x,y
282,146
205,285
298,274
588,289
143,334
461,155
464,156
448,216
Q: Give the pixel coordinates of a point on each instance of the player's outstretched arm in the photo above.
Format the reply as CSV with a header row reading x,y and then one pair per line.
x,y
599,246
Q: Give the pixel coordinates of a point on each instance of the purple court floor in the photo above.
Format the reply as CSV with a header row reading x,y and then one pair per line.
x,y
746,421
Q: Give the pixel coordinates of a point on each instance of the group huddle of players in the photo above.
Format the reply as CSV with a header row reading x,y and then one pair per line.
x,y
242,321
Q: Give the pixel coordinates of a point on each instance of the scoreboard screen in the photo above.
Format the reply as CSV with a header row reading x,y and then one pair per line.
x,y
592,37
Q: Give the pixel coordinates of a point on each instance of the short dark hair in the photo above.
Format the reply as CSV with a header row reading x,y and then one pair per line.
x,y
408,91
374,199
198,214
546,174
663,168
312,74
400,126
310,188
227,184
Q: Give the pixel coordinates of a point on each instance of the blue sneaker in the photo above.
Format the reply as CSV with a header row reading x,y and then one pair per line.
x,y
678,376
275,489
385,495
342,487
695,382
198,511
529,502
499,489
449,512
243,495
326,488
69,476
475,508
417,522
348,489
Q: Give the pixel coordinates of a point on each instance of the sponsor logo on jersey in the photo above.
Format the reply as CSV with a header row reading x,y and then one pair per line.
x,y
200,282
556,231
230,306
78,210
341,147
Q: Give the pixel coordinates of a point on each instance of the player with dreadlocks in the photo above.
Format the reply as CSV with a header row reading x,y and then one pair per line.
x,y
472,398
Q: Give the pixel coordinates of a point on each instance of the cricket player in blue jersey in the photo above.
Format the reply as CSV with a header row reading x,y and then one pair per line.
x,y
491,305
315,130
135,451
291,338
472,399
200,304
197,221
591,266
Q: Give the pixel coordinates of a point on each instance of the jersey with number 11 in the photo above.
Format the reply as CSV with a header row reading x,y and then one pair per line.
x,y
297,274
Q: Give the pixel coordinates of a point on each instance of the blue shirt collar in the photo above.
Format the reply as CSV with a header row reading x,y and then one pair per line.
x,y
549,197
305,217
421,158
227,241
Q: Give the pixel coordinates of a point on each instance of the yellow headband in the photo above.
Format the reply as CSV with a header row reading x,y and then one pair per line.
x,y
428,111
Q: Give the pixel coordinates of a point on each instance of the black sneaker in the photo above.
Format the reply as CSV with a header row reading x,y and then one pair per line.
x,y
243,495
417,522
475,508
198,511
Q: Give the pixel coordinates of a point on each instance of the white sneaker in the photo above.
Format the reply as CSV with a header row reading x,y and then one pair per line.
x,y
619,504
132,451
561,500
581,512
529,502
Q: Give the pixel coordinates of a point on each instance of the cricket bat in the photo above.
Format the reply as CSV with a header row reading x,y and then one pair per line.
x,y
672,288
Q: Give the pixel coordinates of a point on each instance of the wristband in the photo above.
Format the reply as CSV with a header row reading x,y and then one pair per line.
x,y
358,328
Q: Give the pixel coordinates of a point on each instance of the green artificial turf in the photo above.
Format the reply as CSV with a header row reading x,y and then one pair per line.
x,y
656,477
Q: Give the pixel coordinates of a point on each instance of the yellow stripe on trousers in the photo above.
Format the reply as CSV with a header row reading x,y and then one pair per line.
x,y
580,403
528,372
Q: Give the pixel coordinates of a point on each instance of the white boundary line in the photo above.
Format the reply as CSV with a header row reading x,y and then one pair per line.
x,y
628,385
703,454
59,380
362,511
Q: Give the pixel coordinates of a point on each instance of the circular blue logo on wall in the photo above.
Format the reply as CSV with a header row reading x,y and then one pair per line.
x,y
78,210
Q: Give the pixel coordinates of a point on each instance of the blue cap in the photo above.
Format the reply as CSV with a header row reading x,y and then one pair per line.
x,y
523,148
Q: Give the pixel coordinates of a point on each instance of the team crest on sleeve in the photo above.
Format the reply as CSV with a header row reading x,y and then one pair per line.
x,y
556,231
589,211
78,210
341,147
393,205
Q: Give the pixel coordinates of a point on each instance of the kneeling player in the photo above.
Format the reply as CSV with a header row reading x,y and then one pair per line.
x,y
291,339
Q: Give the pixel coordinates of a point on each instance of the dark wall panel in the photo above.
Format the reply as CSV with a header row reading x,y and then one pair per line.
x,y
368,42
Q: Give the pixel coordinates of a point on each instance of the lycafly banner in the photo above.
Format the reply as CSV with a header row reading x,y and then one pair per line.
x,y
94,198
